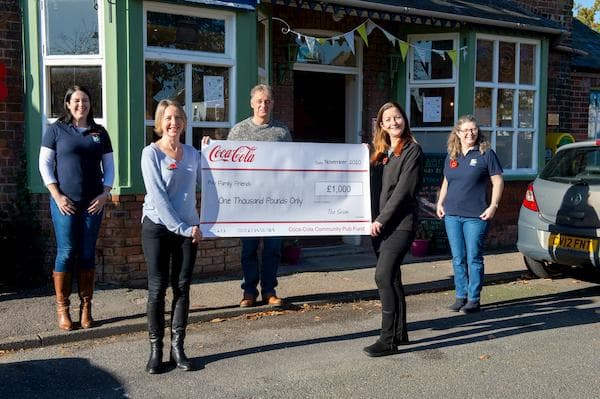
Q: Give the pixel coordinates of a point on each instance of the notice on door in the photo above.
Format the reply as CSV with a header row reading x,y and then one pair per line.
x,y
256,188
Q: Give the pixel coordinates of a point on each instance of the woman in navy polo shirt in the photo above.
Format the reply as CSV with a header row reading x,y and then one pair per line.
x,y
396,173
76,164
469,167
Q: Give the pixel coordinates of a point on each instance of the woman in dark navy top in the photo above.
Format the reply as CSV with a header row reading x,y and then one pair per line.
x,y
76,165
396,172
469,167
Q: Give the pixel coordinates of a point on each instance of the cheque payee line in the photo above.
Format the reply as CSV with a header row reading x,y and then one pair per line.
x,y
291,170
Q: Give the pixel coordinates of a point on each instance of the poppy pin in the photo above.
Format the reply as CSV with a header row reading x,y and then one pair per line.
x,y
454,164
172,166
385,160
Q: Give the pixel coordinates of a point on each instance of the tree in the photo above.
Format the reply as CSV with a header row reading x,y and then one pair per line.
x,y
589,15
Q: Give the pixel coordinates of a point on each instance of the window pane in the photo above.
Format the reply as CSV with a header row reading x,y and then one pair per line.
x,y
214,133
507,63
525,150
504,148
432,107
71,27
505,107
164,80
312,52
428,64
527,64
63,77
483,106
485,61
432,142
210,88
185,33
526,108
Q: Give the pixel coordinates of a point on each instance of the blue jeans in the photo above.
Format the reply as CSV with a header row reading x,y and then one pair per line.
x,y
466,236
267,274
76,237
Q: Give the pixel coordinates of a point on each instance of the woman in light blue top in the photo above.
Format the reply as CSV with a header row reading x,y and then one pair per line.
x,y
170,230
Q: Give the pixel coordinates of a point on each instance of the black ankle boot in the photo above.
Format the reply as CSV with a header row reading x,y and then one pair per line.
x,y
178,355
154,365
380,349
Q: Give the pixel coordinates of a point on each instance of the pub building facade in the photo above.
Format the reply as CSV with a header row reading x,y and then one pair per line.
x,y
332,64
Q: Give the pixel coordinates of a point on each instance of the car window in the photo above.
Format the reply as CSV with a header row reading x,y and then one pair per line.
x,y
581,163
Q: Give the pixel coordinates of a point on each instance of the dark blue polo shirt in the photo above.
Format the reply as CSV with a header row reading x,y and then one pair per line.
x,y
468,182
78,159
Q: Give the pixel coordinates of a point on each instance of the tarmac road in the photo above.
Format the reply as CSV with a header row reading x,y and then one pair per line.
x,y
533,339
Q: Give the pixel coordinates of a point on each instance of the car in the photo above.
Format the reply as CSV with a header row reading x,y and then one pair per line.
x,y
559,222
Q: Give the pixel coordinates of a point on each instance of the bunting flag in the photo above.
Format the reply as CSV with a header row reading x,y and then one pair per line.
x,y
452,55
362,31
422,50
403,49
349,37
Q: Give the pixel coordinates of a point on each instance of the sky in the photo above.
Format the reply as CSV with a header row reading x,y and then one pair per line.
x,y
585,3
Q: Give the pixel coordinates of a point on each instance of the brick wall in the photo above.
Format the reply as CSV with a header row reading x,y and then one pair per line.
x,y
11,109
581,84
119,255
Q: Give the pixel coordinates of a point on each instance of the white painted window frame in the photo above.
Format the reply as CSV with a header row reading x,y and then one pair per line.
x,y
189,58
495,85
432,83
70,60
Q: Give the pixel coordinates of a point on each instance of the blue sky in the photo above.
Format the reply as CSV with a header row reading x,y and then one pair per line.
x,y
585,3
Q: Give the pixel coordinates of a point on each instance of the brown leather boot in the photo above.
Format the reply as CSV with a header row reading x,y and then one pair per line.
x,y
62,287
86,280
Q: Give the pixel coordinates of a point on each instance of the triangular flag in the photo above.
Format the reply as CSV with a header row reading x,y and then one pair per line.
x,y
350,40
440,53
452,55
389,36
403,49
423,52
321,40
362,31
310,43
370,26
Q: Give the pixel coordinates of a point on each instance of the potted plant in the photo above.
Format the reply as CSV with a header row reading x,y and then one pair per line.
x,y
292,251
423,235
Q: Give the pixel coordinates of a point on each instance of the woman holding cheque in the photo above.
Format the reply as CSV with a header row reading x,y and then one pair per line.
x,y
396,171
170,230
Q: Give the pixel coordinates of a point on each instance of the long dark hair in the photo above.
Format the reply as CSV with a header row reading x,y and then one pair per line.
x,y
382,141
66,116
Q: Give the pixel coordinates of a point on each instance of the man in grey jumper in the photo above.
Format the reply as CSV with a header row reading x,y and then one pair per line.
x,y
260,127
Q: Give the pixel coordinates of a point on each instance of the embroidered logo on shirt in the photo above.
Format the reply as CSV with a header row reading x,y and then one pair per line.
x,y
95,137
473,162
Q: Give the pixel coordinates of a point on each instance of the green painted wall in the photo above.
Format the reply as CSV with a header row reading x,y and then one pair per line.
x,y
247,62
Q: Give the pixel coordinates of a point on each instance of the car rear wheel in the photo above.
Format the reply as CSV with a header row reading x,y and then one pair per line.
x,y
538,268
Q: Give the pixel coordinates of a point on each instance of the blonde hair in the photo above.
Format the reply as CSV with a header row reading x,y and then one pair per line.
x,y
160,111
381,140
454,146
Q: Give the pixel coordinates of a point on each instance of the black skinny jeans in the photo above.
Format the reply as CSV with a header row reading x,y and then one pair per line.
x,y
390,253
161,248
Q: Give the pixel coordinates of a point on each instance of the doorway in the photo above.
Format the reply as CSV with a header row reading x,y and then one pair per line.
x,y
319,107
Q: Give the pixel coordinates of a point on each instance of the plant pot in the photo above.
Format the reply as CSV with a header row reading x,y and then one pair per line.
x,y
419,247
291,255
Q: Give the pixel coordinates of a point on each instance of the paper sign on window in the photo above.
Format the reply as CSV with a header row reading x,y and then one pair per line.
x,y
214,96
432,109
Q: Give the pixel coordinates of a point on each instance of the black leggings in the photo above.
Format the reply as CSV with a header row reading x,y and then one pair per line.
x,y
161,248
390,253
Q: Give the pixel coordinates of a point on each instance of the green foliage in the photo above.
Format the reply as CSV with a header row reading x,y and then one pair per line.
x,y
21,240
423,232
589,15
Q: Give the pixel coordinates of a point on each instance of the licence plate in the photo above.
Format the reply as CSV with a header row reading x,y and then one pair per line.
x,y
589,245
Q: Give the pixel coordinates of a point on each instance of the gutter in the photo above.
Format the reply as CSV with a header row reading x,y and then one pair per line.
x,y
442,15
570,50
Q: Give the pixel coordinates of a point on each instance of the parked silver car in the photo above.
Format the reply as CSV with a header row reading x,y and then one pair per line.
x,y
559,220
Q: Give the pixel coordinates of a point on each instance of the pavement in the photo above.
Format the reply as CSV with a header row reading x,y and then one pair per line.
x,y
324,275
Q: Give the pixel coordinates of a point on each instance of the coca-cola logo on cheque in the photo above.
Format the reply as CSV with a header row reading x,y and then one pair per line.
x,y
242,153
